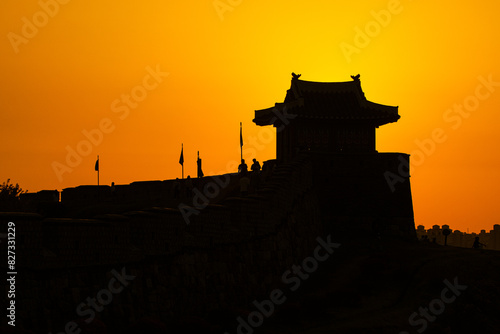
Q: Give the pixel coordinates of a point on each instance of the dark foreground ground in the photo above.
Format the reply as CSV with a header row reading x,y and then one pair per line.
x,y
376,286
366,286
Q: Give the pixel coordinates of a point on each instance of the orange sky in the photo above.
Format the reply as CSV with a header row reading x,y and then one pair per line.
x,y
69,68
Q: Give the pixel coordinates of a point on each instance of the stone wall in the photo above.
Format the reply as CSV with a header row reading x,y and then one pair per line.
x,y
228,255
232,251
365,192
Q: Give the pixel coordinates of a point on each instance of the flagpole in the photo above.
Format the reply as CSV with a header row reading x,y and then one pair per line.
x,y
182,153
98,169
241,143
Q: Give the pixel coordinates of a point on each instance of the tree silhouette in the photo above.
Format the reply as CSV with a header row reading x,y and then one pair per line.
x,y
9,195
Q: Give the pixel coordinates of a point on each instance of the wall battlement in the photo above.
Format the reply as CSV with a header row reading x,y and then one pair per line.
x,y
231,252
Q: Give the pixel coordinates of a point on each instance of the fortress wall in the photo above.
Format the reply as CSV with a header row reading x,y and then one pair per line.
x,y
146,193
355,193
228,256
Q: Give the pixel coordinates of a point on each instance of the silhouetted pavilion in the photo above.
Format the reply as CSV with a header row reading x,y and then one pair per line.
x,y
325,117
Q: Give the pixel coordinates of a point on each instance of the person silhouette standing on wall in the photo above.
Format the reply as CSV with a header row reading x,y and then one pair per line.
x,y
242,168
255,166
255,177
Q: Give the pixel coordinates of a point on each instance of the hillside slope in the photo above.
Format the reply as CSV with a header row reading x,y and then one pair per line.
x,y
376,286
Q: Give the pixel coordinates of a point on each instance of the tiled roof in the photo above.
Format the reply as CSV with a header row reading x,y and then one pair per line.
x,y
340,101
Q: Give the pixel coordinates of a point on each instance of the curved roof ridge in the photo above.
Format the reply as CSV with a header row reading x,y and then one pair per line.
x,y
316,85
325,82
298,86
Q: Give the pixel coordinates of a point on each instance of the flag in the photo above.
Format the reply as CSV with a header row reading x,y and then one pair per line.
x,y
241,136
181,159
198,162
97,165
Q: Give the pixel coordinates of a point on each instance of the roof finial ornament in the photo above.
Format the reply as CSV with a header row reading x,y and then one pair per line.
x,y
355,77
295,76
